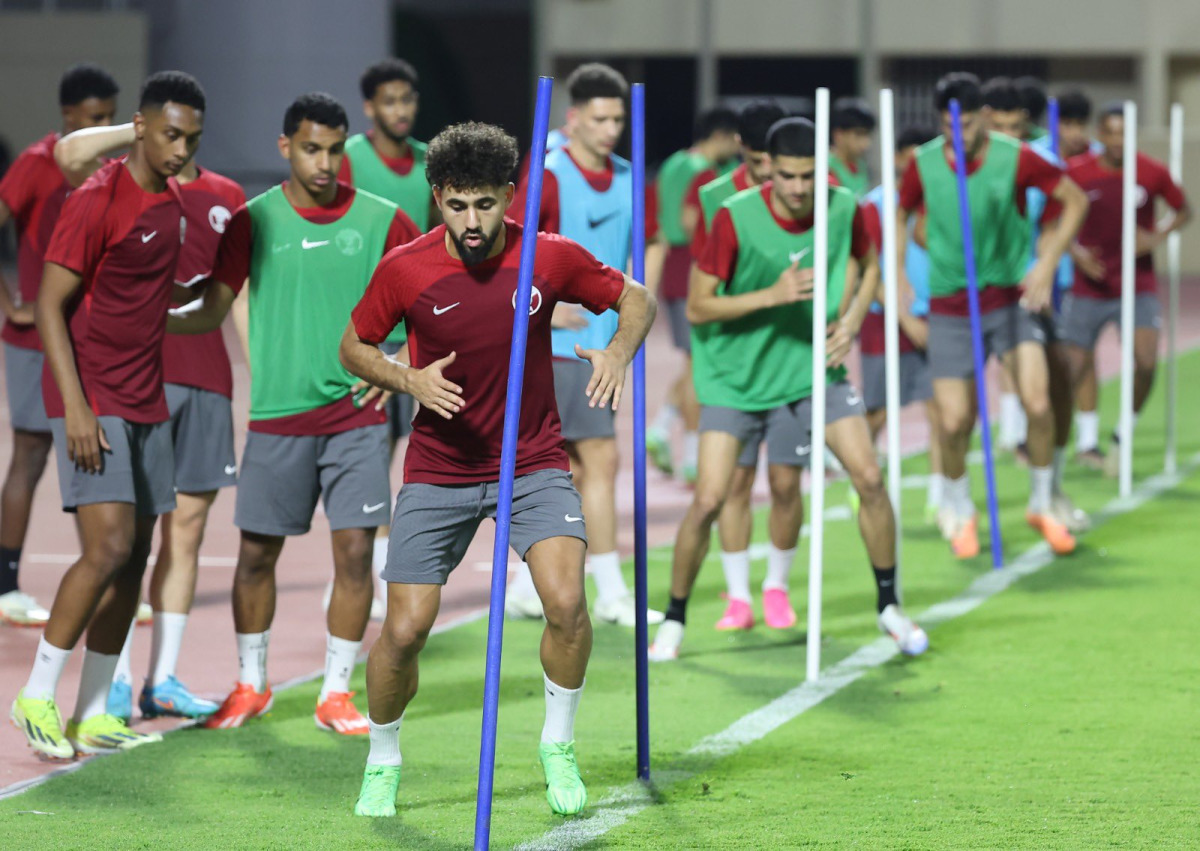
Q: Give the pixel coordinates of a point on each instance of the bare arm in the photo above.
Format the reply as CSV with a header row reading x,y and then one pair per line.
x,y
241,320
1148,240
79,154
656,256
14,312
208,315
689,218
860,293
428,386
1039,282
705,305
635,308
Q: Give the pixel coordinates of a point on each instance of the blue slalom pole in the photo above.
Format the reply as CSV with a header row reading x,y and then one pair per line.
x,y
964,214
640,632
508,465
1052,128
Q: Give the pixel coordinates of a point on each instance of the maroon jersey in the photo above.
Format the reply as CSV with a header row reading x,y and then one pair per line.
x,y
34,190
741,182
200,360
1101,231
871,335
449,307
125,244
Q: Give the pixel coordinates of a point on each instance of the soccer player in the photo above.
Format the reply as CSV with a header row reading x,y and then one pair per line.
x,y
386,161
199,390
1095,298
748,300
587,196
455,288
32,193
110,268
1074,125
715,147
1000,171
851,123
1032,92
308,248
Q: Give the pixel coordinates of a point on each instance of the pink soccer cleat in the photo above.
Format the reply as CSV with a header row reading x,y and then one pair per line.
x,y
777,609
738,615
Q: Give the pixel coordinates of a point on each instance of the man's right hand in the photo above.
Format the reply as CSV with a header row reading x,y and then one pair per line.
x,y
85,439
22,314
429,387
1088,263
794,284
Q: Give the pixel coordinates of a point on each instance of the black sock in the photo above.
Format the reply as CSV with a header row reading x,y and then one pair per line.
x,y
885,584
10,561
677,609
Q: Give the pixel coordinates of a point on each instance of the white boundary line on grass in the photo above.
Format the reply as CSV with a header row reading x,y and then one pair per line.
x,y
624,802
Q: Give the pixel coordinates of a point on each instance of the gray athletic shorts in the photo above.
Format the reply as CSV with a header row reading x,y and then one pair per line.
x,y
23,383
140,469
1083,319
916,382
202,428
787,429
681,329
1005,328
400,407
433,524
579,422
283,475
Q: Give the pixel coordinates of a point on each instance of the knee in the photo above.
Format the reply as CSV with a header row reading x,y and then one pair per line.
x,y
785,490
354,556
868,481
706,507
110,551
566,614
404,636
257,556
1037,406
956,421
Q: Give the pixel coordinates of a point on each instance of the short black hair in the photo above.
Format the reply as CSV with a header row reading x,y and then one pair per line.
x,y
596,80
471,156
386,71
173,86
755,121
83,81
1111,109
792,137
1033,95
852,114
962,86
1000,94
914,136
719,119
317,107
1074,105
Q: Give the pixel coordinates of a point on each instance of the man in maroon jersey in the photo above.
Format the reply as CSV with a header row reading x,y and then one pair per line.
x,y
110,268
455,287
1095,297
32,193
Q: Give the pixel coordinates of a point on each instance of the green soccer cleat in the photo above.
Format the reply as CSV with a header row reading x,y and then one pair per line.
x,y
106,733
42,725
377,797
658,447
564,787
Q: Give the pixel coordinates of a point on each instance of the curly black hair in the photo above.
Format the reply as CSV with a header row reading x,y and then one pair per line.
x,y
317,107
1001,94
173,86
471,156
83,81
385,72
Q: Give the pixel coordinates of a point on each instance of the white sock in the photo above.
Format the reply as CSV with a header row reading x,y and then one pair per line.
x,y
521,585
691,448
1087,431
94,683
1041,488
48,664
665,418
606,573
958,496
252,658
1012,419
165,640
1060,462
779,568
124,672
935,489
340,656
561,706
385,743
736,567
1117,429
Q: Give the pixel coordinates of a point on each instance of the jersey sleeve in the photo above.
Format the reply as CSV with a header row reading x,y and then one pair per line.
x,y
869,214
651,212
386,300
1170,191
699,238
345,172
912,192
232,266
82,232
1036,172
692,197
580,277
548,218
403,229
19,188
721,248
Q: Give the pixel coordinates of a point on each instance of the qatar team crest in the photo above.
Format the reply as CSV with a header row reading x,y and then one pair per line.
x,y
218,217
535,300
349,241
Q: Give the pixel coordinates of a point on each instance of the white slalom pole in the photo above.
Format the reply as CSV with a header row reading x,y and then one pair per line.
x,y
816,521
891,308
1170,464
1128,231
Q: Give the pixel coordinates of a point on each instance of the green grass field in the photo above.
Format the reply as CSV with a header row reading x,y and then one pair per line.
x,y
1059,714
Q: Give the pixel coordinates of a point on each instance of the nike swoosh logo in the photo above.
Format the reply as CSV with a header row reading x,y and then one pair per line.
x,y
146,237
230,469
803,450
305,244
797,256
371,509
438,311
571,519
595,223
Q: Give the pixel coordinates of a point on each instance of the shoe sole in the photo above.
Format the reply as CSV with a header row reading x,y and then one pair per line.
x,y
11,621
37,747
245,718
332,729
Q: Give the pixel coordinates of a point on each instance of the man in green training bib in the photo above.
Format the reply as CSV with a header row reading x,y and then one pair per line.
x,y
851,123
750,305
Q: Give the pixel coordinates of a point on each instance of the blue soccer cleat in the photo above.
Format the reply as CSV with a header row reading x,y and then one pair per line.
x,y
120,700
171,697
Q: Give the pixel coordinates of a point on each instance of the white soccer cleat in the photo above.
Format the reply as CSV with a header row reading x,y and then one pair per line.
x,y
1064,510
911,639
145,614
19,609
666,642
520,607
623,612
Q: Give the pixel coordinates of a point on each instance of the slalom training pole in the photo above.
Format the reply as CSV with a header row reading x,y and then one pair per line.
x,y
891,310
637,105
508,464
816,522
1128,233
964,214
1170,464
1052,126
